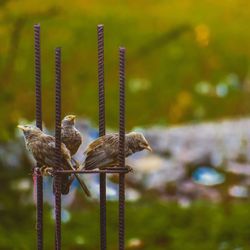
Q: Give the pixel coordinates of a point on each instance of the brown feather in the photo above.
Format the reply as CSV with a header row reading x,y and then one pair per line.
x,y
104,151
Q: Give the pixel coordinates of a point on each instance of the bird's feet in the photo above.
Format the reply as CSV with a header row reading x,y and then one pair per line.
x,y
47,171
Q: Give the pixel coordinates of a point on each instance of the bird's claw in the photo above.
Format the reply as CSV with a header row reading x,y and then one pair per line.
x,y
47,171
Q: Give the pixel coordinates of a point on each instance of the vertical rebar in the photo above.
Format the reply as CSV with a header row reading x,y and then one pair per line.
x,y
58,147
122,148
101,93
39,178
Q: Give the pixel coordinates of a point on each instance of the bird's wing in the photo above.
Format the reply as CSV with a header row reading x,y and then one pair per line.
x,y
72,138
65,151
97,159
99,142
102,152
94,145
49,145
78,138
41,148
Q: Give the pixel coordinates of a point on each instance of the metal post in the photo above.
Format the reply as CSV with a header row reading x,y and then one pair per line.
x,y
121,170
39,178
58,147
122,149
101,91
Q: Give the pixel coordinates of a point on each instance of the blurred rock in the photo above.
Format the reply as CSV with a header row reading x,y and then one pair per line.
x,y
195,191
152,171
238,191
238,168
206,143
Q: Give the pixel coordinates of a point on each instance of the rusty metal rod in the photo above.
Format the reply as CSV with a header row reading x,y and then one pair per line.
x,y
58,147
117,171
38,176
102,125
122,148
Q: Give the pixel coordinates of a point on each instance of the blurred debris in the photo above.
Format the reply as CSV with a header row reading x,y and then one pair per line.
x,y
185,163
153,171
135,243
206,143
238,191
207,176
21,184
238,168
193,191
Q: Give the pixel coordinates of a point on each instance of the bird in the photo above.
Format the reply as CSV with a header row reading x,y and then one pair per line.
x,y
70,136
43,148
104,151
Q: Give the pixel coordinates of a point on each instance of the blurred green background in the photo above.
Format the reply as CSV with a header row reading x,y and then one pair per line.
x,y
187,61
173,48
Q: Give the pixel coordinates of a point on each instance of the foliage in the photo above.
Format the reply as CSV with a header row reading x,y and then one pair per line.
x,y
158,226
172,48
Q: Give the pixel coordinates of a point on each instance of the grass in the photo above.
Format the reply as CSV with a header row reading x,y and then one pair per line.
x,y
158,225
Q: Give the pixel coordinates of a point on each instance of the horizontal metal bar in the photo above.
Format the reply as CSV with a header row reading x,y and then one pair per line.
x,y
97,171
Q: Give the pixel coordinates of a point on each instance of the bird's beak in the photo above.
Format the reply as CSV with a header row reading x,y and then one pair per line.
x,y
149,148
21,127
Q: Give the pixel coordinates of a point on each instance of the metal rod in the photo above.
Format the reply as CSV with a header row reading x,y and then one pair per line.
x,y
101,93
115,171
58,147
38,176
122,149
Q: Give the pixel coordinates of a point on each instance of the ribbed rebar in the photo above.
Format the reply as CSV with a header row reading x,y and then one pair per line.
x,y
122,148
39,178
58,147
38,75
101,89
101,94
96,171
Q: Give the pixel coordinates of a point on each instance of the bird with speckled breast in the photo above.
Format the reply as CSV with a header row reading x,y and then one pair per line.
x,y
70,136
43,148
104,151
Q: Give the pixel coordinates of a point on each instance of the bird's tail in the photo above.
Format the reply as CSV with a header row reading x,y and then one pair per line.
x,y
82,184
81,166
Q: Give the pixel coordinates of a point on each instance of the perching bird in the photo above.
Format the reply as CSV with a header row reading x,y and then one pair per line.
x,y
104,151
70,136
43,148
